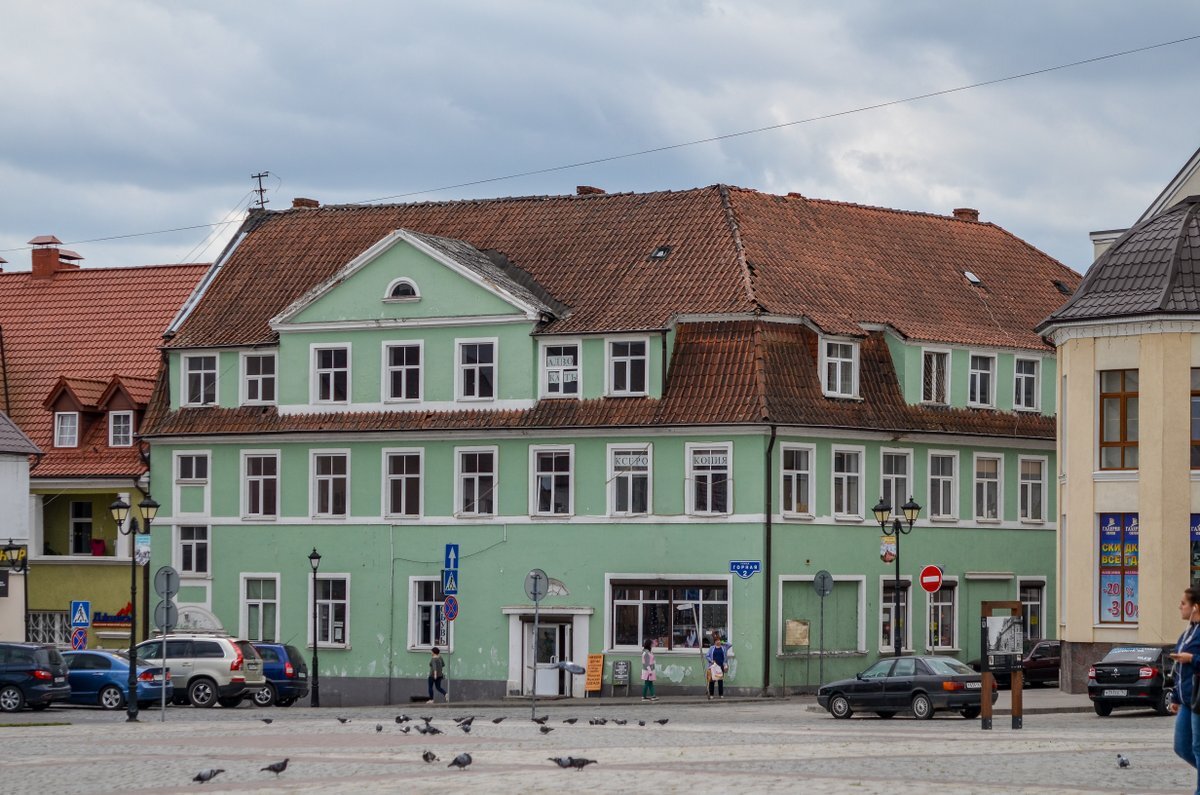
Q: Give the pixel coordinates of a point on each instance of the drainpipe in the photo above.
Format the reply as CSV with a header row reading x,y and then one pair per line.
x,y
768,482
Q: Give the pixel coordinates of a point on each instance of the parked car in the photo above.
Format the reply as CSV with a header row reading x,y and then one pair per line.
x,y
207,668
1040,664
102,678
286,672
33,675
1132,676
921,685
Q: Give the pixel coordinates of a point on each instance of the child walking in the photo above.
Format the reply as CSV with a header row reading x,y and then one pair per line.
x,y
648,675
436,668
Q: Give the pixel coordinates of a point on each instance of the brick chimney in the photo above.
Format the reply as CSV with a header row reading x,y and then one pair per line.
x,y
588,190
301,203
48,257
966,214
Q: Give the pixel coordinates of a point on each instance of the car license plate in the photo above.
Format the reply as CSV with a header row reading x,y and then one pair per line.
x,y
58,680
303,675
974,685
1114,693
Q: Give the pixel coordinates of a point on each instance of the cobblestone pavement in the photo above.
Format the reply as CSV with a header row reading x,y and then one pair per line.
x,y
746,746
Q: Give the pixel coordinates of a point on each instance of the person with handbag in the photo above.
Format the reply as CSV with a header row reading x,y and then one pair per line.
x,y
1185,701
648,675
718,665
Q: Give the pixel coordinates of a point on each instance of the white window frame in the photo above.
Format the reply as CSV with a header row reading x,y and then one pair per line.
x,y
534,476
838,390
314,487
955,479
973,376
61,436
614,476
897,500
670,581
861,452
1022,484
386,368
906,582
180,543
316,372
949,584
458,481
244,604
690,481
458,369
246,480
1037,383
999,483
610,361
388,298
414,618
186,373
387,483
112,436
330,644
784,474
181,454
544,369
246,378
946,379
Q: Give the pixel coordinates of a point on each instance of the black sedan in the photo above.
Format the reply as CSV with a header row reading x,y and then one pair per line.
x,y
921,685
1132,676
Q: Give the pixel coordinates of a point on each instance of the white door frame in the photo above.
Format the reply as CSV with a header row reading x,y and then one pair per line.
x,y
580,619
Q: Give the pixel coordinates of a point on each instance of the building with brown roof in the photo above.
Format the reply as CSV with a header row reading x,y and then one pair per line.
x,y
680,405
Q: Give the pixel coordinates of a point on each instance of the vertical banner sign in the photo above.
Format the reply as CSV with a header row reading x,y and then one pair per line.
x,y
1195,546
1110,567
141,549
1131,567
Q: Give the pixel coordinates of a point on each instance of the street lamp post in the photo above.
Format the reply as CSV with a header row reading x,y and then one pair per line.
x,y
120,512
883,510
16,556
314,560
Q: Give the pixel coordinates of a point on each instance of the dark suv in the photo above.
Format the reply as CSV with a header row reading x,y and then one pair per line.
x,y
33,674
286,672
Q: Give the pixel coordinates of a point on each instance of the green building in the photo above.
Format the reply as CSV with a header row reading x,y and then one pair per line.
x,y
681,405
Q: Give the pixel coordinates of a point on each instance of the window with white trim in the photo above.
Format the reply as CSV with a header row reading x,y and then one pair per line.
x,y
797,470
81,528
560,370
331,368
262,484
258,372
476,482
629,479
66,429
981,383
331,483
841,368
847,484
200,379
260,608
1033,489
402,469
627,367
943,618
477,370
887,607
402,289
552,475
333,610
428,624
120,429
403,371
987,488
193,550
192,468
1033,607
935,377
1026,382
666,613
710,472
895,468
943,485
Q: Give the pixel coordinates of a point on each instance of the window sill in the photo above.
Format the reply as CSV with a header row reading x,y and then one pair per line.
x,y
341,517
1115,475
798,516
1033,522
988,520
444,650
332,646
198,405
560,397
469,399
263,517
260,403
709,515
190,576
943,519
991,406
639,515
627,394
551,516
840,396
402,517
847,518
472,517
1027,409
944,650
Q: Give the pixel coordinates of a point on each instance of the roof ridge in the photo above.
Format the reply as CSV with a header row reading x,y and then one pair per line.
x,y
740,250
1174,274
760,372
369,205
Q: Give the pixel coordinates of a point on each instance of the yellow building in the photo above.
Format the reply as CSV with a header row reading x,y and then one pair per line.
x,y
1128,346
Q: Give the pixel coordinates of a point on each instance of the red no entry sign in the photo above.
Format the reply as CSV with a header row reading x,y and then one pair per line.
x,y
931,578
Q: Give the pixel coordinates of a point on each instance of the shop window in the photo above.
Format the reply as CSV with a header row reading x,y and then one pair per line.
x,y
666,613
1118,568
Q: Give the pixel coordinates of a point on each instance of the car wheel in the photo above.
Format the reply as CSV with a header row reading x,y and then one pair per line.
x,y
885,715
839,707
1163,705
202,693
285,702
111,697
970,713
1102,708
265,697
11,699
922,707
231,702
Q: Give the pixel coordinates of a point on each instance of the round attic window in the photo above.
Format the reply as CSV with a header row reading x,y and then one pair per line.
x,y
402,290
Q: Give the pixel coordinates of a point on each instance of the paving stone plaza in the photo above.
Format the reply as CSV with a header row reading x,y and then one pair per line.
x,y
731,746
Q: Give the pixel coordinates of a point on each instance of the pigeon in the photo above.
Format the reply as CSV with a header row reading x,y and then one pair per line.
x,y
465,721
620,721
275,767
540,720
579,763
267,721
641,723
466,727
208,775
598,721
462,762
378,727
570,722
545,729
432,730
497,720
430,757
343,720
562,761
427,720
662,721
406,729
402,719
1122,760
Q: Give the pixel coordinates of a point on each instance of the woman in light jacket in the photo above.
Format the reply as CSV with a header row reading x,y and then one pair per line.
x,y
648,675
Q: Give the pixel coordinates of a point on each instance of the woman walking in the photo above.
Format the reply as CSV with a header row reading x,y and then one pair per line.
x,y
1187,722
648,675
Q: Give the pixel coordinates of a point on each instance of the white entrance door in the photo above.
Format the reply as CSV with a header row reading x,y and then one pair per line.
x,y
549,645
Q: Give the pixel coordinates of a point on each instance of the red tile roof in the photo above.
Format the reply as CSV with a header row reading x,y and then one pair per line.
x,y
84,325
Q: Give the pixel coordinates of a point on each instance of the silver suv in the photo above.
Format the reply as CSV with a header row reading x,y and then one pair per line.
x,y
207,669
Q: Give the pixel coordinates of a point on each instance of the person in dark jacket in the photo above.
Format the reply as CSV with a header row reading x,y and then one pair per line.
x,y
1187,722
718,655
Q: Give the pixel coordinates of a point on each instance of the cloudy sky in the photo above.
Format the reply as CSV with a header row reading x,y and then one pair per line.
x,y
129,117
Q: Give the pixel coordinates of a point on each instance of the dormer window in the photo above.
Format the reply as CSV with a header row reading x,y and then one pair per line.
x,y
839,368
402,290
120,429
200,380
66,429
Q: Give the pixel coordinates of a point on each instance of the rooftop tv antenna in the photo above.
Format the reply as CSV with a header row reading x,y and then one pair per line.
x,y
260,190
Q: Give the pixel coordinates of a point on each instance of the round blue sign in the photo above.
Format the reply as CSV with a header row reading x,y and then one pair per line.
x,y
450,608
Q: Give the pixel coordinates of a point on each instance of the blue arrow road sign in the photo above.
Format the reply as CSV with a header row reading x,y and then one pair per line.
x,y
452,556
745,568
81,614
449,581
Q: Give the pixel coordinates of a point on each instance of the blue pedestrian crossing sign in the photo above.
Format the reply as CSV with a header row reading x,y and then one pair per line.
x,y
81,614
451,556
449,581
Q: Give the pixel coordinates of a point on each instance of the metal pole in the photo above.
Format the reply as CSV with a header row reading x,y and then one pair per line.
x,y
821,666
25,588
316,673
536,603
131,702
896,647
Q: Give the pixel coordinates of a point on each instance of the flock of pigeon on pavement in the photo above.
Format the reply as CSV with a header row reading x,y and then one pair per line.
x,y
461,761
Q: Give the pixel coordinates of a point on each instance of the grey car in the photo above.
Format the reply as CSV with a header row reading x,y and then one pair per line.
x,y
207,669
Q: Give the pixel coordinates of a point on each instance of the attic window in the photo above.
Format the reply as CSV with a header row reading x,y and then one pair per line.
x,y
659,254
1061,287
972,278
402,290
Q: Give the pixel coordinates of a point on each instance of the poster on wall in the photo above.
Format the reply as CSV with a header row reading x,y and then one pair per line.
x,y
1118,569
